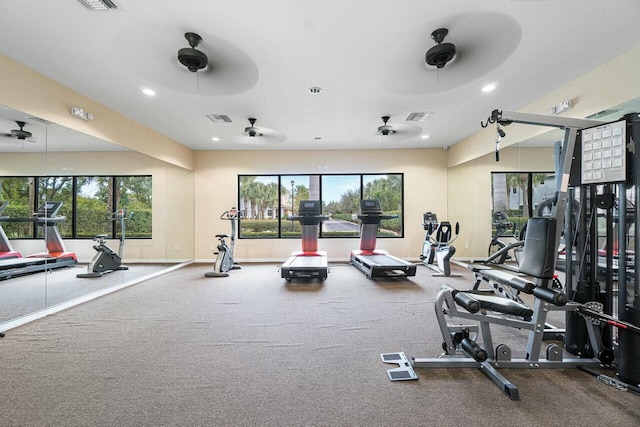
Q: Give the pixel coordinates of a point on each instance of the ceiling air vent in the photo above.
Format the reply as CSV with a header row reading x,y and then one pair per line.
x,y
99,4
219,118
419,116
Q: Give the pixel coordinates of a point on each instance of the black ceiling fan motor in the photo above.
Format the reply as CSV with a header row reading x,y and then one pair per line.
x,y
442,53
191,57
21,133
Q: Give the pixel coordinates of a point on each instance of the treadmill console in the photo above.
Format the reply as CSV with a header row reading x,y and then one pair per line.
x,y
48,210
370,207
309,208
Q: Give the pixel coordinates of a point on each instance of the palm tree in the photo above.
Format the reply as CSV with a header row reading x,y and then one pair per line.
x,y
314,187
270,198
245,199
499,192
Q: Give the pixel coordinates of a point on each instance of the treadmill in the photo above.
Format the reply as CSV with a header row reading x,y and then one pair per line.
x,y
6,250
371,261
308,263
56,255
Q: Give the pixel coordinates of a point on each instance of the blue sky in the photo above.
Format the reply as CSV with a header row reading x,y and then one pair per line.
x,y
333,185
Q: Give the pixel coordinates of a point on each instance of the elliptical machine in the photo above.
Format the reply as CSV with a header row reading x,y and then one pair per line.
x,y
438,248
430,224
224,257
106,260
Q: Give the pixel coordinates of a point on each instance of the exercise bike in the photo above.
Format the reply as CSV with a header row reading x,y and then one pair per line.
x,y
106,260
430,224
438,248
224,255
500,252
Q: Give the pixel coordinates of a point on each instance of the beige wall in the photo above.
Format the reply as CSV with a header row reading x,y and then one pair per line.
x,y
172,199
216,190
25,90
611,84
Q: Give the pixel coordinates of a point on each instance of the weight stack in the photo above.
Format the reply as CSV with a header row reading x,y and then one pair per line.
x,y
576,338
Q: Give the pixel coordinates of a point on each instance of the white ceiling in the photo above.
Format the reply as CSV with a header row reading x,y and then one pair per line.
x,y
366,55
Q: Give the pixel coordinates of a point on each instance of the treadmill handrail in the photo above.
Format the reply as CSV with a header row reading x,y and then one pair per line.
x,y
41,220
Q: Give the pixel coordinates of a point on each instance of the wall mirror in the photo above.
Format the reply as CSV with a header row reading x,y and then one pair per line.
x,y
99,187
475,179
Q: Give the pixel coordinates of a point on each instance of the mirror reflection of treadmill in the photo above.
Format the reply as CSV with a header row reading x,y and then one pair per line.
x,y
371,261
56,256
309,262
6,250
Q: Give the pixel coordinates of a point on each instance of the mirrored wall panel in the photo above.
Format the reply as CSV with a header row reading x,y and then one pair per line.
x,y
80,215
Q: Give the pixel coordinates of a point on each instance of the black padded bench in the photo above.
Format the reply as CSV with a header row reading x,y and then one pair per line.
x,y
473,303
537,261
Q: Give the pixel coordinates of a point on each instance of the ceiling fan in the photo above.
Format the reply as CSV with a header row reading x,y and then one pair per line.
x,y
385,129
259,135
20,134
442,53
252,131
191,57
399,131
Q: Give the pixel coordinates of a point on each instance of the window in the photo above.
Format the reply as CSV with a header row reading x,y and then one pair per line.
x,y
267,201
387,189
94,204
260,210
88,204
59,189
19,191
517,196
295,188
133,193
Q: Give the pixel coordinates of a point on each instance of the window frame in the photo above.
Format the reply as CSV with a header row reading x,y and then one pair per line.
x,y
283,183
72,214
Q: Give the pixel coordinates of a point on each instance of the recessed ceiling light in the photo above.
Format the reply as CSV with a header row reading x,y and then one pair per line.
x,y
215,138
425,137
149,92
315,89
489,87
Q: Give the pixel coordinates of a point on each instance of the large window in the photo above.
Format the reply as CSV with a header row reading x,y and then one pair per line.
x,y
517,196
266,203
89,203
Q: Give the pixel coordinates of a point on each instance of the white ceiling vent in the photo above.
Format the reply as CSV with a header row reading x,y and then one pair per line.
x,y
219,118
419,116
99,4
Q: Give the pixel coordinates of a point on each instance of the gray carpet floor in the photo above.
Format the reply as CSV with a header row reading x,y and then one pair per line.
x,y
25,294
255,350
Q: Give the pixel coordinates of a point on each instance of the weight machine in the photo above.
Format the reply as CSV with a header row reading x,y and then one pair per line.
x,y
605,178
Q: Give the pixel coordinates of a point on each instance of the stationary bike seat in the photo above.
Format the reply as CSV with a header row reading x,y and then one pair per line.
x,y
224,236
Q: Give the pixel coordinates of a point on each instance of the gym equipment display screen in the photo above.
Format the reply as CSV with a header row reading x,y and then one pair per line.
x,y
604,157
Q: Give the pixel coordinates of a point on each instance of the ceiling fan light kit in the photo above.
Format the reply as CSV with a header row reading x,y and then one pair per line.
x,y
191,57
252,131
442,53
21,134
386,129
